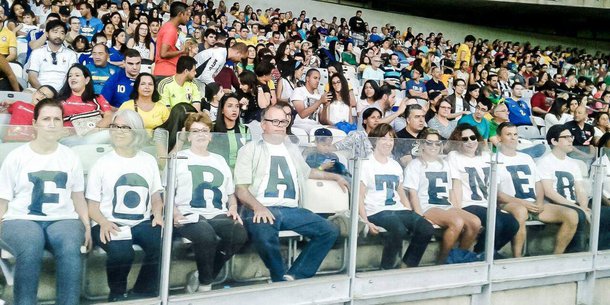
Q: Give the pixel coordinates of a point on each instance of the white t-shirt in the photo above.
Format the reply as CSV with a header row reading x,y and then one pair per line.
x,y
563,173
474,175
39,187
124,187
382,181
339,112
203,184
431,181
308,99
606,189
280,183
517,176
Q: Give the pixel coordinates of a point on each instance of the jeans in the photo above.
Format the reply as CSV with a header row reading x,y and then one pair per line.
x,y
397,225
27,239
120,256
506,227
321,232
578,242
214,242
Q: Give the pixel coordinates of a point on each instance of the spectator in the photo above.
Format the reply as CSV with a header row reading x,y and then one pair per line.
x,y
369,95
118,88
290,82
283,58
165,135
22,114
206,213
469,164
339,109
181,88
435,84
557,114
307,101
459,106
601,126
211,61
169,48
520,192
227,122
374,71
477,118
142,42
8,40
358,28
118,48
348,57
322,157
253,96
519,113
62,225
8,79
89,24
583,133
504,82
358,140
415,88
462,72
48,65
100,69
213,94
441,122
114,217
427,180
247,63
472,96
415,124
542,100
268,212
389,207
500,115
393,73
145,101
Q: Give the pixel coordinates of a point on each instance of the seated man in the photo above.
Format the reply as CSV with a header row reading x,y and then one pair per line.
x,y
520,193
180,88
519,113
118,87
100,69
308,101
477,119
268,173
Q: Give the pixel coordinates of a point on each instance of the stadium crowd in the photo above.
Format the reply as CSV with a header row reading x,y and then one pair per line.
x,y
427,113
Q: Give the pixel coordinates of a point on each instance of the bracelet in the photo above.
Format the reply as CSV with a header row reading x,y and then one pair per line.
x,y
320,168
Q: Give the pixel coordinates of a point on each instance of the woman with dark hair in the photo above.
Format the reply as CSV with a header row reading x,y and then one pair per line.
x,y
81,105
348,57
81,46
388,206
116,20
213,94
369,95
440,121
469,164
143,100
340,107
142,42
15,17
234,134
108,30
358,140
166,134
287,84
283,58
601,125
248,62
472,95
118,48
250,96
557,114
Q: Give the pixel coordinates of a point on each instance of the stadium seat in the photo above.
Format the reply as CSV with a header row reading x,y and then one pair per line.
x,y
337,134
89,153
325,196
529,132
15,96
145,68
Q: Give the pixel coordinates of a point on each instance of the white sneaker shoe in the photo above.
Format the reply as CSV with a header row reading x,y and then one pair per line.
x,y
288,278
205,287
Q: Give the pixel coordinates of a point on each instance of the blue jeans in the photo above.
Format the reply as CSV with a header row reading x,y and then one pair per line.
x,y
398,224
321,232
27,239
120,256
506,227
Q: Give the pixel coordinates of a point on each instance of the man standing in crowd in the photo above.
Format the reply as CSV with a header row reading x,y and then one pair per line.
x,y
89,25
49,64
169,47
211,61
117,89
358,28
464,53
268,173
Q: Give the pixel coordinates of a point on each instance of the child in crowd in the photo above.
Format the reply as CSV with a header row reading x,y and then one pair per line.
x,y
322,158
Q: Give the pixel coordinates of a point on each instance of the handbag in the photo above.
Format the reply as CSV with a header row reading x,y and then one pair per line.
x,y
85,122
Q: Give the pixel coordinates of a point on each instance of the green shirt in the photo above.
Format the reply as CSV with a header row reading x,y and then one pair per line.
x,y
172,93
349,58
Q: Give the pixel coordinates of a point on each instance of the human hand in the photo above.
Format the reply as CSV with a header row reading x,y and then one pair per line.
x,y
263,215
107,229
232,212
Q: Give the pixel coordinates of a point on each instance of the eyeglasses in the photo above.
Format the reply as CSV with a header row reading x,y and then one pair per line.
x,y
571,137
483,109
199,130
433,143
278,123
471,138
119,127
54,58
337,82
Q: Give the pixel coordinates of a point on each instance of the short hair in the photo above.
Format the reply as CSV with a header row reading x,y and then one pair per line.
x,y
209,32
263,68
485,102
311,71
133,120
240,47
367,113
132,53
54,24
47,102
381,131
469,38
176,8
185,63
515,84
554,132
106,49
504,126
272,106
457,80
199,117
412,107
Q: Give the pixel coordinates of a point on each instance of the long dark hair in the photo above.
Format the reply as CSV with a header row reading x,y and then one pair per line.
x,y
175,121
344,93
220,125
455,139
115,35
147,38
279,54
248,78
66,92
556,107
134,93
375,86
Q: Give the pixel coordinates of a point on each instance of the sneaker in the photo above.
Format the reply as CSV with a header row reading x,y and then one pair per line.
x,y
288,278
204,287
117,297
192,282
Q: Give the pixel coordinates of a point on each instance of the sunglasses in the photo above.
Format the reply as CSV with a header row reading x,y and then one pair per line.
x,y
433,143
471,138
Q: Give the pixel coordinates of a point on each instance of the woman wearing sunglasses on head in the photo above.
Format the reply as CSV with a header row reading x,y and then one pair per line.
x,y
429,185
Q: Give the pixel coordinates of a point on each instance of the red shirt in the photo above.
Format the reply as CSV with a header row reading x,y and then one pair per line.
x,y
539,100
22,113
74,105
168,34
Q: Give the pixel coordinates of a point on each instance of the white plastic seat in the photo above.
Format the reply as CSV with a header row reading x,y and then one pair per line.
x,y
89,153
15,96
337,134
529,132
325,196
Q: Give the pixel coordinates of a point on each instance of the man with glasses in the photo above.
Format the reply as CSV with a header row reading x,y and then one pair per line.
x,y
521,193
477,119
268,173
459,106
49,65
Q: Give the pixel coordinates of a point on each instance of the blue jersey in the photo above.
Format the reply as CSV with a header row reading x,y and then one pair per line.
x,y
115,55
99,75
118,88
518,112
90,27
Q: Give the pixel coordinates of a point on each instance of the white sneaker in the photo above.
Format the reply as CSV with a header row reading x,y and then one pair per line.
x,y
288,278
205,287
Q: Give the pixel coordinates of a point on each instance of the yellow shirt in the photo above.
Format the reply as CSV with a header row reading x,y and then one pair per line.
x,y
7,40
172,93
263,19
252,41
152,118
463,54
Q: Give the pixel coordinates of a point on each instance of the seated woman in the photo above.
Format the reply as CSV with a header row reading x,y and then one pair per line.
x,y
383,203
83,109
340,107
470,173
124,191
206,207
232,134
144,101
42,206
428,181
